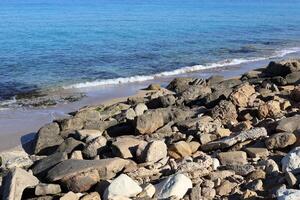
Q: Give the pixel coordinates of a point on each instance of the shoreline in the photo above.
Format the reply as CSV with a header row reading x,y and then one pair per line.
x,y
26,127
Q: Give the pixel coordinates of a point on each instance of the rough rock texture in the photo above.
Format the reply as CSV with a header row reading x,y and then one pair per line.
x,y
280,140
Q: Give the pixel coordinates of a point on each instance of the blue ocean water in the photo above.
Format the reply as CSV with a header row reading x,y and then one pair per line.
x,y
61,43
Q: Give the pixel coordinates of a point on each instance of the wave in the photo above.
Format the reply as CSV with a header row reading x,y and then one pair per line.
x,y
142,78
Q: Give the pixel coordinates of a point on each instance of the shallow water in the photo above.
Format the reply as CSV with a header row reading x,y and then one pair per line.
x,y
64,43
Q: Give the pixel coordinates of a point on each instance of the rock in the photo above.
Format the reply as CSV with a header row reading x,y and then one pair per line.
x,y
47,163
215,164
154,151
233,158
81,182
140,108
92,148
107,168
295,94
77,155
88,115
271,166
240,96
289,194
270,109
180,149
180,84
100,125
91,196
129,114
290,124
215,79
206,138
225,188
45,189
257,174
242,170
255,185
166,100
257,152
175,185
15,182
87,133
194,146
208,193
291,162
195,193
69,145
122,186
290,179
74,123
280,140
195,92
148,191
221,174
282,68
154,86
150,121
293,78
70,196
223,143
48,139
15,158
222,132
225,112
126,146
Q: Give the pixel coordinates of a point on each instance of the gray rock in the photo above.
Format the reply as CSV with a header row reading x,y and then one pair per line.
x,y
74,123
48,139
225,112
242,170
194,92
293,78
233,158
87,133
15,158
126,146
88,115
140,108
180,84
43,189
290,124
15,182
122,186
92,148
291,162
154,151
69,145
282,68
42,166
100,125
280,140
107,168
231,140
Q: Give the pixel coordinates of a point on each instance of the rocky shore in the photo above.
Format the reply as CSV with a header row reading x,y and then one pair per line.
x,y
195,139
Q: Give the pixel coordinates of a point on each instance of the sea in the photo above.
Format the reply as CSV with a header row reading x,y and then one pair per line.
x,y
75,44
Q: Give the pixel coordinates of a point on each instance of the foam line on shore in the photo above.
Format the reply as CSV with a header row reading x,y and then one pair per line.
x,y
141,78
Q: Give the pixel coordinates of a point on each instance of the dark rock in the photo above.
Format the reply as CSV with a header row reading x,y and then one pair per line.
x,y
100,125
290,124
48,139
282,68
69,145
280,140
225,112
293,78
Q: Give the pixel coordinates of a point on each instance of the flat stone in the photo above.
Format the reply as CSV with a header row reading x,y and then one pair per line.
x,y
15,182
125,146
290,124
69,145
122,186
242,170
180,149
291,162
107,168
233,158
240,96
45,189
176,185
252,134
257,152
148,191
48,139
280,140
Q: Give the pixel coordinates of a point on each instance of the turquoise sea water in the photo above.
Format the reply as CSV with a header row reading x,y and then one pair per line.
x,y
76,43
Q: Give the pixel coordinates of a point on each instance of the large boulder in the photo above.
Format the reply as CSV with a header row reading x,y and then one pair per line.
x,y
122,186
107,168
176,185
235,138
15,182
291,162
48,139
282,68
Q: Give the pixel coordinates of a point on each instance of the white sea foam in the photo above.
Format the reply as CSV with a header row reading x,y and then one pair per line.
x,y
141,78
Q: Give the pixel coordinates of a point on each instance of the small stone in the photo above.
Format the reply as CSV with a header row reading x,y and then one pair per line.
x,y
148,191
154,86
226,112
122,186
255,185
45,189
154,151
233,158
249,194
130,114
206,138
140,109
175,185
225,188
215,164
296,94
269,109
291,162
75,123
70,196
125,146
256,152
290,178
280,140
241,95
88,115
222,132
91,196
15,158
195,193
208,193
77,155
257,174
194,146
288,194
290,124
180,149
271,166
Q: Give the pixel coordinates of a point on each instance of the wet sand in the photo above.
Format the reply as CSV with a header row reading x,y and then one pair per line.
x,y
18,126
